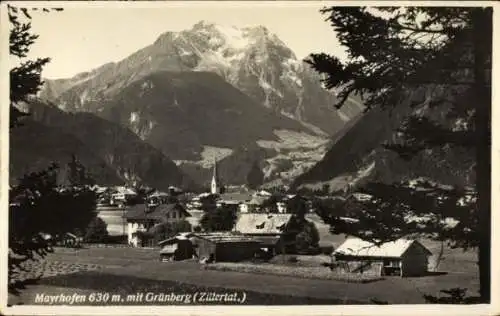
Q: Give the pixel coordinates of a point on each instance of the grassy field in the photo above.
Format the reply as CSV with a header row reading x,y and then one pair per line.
x,y
126,271
88,282
314,272
130,270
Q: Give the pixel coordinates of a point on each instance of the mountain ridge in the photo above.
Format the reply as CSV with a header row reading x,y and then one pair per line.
x,y
115,147
252,59
358,156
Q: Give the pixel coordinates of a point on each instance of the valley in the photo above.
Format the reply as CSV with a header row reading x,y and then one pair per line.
x,y
199,94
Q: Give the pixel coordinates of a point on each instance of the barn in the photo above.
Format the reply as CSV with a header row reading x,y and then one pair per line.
x,y
403,257
179,247
224,246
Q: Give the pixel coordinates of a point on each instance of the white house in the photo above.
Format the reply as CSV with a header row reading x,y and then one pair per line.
x,y
141,218
403,257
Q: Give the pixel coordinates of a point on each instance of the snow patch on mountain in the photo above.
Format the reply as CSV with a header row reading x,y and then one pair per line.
x,y
291,67
233,36
268,89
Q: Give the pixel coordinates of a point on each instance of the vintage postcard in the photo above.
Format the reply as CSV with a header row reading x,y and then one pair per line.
x,y
243,157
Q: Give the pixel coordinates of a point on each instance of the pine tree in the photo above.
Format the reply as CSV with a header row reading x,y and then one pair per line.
x,y
434,60
77,173
25,79
37,208
97,231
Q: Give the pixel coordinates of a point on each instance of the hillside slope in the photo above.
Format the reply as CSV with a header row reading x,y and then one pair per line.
x,y
358,156
117,147
196,117
34,147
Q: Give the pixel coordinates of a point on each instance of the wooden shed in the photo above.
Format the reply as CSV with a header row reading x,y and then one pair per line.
x,y
224,246
403,257
179,247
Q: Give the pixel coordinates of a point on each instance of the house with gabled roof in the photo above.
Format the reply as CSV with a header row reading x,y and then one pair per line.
x,y
224,246
275,232
143,217
238,199
403,257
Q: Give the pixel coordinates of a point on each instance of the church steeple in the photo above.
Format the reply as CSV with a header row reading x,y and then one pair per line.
x,y
214,187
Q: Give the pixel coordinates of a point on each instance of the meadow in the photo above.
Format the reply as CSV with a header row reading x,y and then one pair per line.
x,y
131,270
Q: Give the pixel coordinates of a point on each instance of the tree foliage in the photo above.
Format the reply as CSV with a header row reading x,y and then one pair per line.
x,y
421,208
208,202
77,173
330,207
437,62
308,238
255,177
97,231
271,203
222,218
166,230
25,78
38,208
298,206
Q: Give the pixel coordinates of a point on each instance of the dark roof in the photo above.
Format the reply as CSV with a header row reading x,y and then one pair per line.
x,y
225,237
267,240
235,197
139,212
176,238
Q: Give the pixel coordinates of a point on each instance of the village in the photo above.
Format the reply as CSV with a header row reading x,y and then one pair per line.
x,y
265,225
237,238
222,158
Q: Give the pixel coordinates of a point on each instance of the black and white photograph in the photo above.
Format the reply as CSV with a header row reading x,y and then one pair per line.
x,y
296,157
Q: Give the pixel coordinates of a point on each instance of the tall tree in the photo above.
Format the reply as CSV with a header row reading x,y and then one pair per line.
x,y
25,78
255,177
77,173
37,207
438,61
221,219
97,231
308,238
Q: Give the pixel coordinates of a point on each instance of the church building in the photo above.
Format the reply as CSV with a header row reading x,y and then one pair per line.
x,y
215,185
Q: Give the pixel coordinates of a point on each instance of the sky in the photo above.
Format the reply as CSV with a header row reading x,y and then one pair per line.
x,y
85,36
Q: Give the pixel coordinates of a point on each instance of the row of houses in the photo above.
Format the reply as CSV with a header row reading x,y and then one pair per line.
x,y
248,201
125,196
143,217
253,233
271,234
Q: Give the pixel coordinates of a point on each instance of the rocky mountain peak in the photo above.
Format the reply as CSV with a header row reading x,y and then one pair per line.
x,y
251,58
